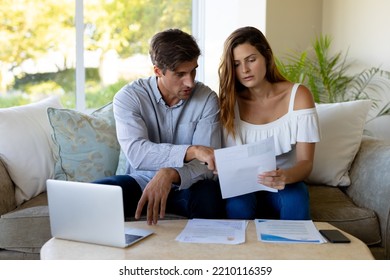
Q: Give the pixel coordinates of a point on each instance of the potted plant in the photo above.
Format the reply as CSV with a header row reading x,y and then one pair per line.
x,y
329,77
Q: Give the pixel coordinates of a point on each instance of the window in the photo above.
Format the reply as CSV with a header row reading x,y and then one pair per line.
x,y
213,22
44,43
36,50
39,43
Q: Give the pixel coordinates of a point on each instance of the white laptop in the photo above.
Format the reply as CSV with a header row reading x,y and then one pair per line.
x,y
91,213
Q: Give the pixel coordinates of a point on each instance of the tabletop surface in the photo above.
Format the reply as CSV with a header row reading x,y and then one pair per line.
x,y
162,245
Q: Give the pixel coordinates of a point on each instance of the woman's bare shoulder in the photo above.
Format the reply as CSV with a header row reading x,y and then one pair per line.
x,y
303,98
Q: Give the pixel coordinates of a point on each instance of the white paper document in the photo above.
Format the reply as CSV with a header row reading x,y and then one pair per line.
x,y
239,166
213,231
288,231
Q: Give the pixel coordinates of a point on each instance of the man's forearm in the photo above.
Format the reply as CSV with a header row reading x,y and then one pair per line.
x,y
190,154
201,153
171,174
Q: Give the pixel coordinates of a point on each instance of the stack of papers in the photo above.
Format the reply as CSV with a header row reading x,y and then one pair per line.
x,y
291,231
233,231
213,231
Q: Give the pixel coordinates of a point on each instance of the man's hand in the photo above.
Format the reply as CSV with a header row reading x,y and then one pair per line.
x,y
155,195
203,154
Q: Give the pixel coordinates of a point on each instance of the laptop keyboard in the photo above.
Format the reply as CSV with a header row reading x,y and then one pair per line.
x,y
130,238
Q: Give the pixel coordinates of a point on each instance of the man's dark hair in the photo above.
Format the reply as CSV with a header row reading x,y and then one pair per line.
x,y
172,47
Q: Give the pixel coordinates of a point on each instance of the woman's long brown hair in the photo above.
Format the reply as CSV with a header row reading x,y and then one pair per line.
x,y
229,86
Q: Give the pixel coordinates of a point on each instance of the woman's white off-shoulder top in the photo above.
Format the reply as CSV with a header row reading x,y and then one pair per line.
x,y
295,126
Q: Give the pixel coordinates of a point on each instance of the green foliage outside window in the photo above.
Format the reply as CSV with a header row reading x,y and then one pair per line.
x,y
30,30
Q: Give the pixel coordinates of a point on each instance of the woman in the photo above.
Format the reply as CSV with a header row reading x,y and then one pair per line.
x,y
257,102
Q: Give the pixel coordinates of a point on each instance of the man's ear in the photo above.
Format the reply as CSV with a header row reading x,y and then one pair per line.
x,y
157,71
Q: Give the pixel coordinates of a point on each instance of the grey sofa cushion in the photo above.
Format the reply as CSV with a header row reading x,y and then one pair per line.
x,y
17,255
25,230
329,204
370,186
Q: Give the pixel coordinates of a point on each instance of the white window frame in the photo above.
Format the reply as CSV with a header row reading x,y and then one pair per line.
x,y
198,28
80,68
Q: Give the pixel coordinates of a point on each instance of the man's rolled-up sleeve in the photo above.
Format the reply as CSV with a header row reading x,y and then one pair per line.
x,y
207,133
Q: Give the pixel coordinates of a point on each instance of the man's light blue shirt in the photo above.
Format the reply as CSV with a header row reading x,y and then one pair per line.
x,y
153,135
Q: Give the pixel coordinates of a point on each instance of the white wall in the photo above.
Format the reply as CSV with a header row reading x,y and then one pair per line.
x,y
362,27
220,18
292,25
359,27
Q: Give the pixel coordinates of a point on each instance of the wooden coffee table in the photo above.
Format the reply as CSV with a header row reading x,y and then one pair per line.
x,y
162,245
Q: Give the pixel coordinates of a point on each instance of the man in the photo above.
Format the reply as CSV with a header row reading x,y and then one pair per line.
x,y
167,126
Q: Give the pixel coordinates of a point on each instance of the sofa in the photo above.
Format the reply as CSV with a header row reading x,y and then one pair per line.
x,y
349,186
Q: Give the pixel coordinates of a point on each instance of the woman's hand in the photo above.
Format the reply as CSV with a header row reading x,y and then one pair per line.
x,y
274,179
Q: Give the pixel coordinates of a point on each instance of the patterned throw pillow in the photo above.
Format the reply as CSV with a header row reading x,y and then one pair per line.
x,y
87,147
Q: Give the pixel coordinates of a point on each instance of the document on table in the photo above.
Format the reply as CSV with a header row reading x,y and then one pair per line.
x,y
213,231
239,166
288,231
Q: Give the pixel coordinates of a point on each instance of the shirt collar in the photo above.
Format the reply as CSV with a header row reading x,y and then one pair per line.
x,y
156,91
158,96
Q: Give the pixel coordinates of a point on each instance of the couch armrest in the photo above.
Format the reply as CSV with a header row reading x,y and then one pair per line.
x,y
370,183
7,190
